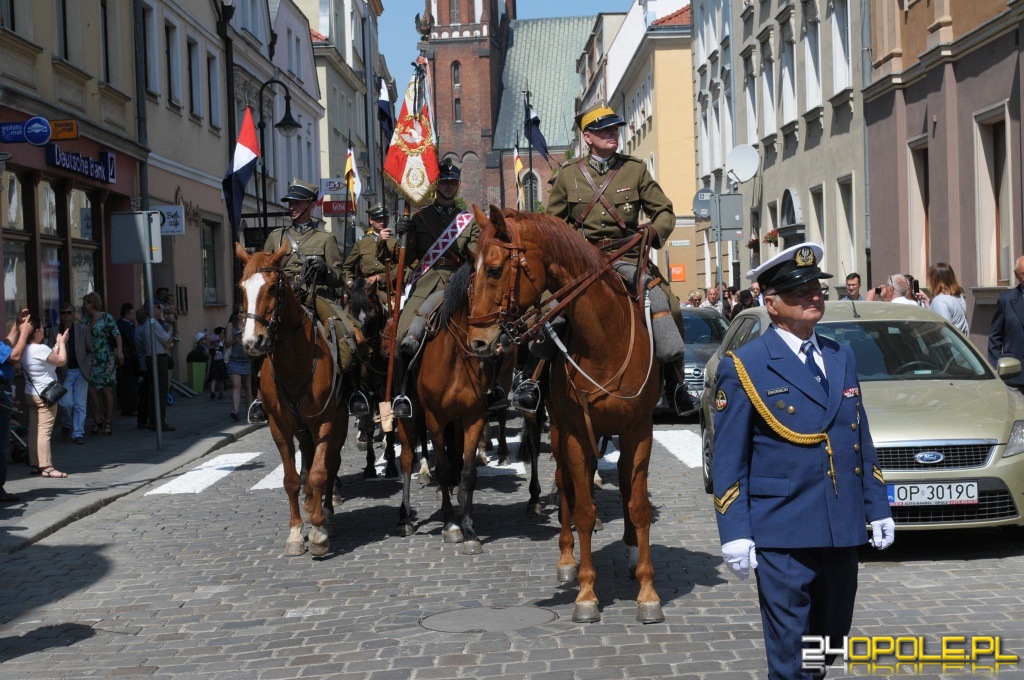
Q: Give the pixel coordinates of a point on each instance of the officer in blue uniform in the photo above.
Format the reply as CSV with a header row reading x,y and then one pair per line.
x,y
795,470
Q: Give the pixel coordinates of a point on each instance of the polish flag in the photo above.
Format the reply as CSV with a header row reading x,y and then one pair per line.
x,y
247,152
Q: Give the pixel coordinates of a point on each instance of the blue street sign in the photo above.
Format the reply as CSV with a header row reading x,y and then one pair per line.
x,y
37,131
12,133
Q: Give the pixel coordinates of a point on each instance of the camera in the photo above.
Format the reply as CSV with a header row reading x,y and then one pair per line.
x,y
917,288
878,290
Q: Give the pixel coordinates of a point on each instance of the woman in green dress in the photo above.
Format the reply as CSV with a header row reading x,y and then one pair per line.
x,y
106,343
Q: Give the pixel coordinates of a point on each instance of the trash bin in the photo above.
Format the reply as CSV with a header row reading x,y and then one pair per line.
x,y
196,375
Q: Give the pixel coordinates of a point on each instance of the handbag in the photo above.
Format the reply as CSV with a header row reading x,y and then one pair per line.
x,y
53,392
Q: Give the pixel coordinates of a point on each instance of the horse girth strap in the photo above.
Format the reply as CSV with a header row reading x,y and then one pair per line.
x,y
599,196
775,425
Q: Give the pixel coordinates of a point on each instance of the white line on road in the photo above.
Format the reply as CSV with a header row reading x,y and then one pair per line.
x,y
206,475
682,444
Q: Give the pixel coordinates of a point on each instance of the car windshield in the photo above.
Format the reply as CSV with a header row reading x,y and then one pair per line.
x,y
907,350
703,330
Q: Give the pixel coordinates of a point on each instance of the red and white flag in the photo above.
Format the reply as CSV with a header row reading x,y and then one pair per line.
x,y
247,152
411,164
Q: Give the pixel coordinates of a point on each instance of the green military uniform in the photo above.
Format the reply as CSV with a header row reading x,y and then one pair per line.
x,y
369,257
307,241
427,225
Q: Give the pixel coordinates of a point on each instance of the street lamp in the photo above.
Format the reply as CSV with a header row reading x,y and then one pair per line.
x,y
287,126
225,11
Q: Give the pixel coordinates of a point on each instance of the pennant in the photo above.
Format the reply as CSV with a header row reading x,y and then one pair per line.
x,y
517,163
411,165
247,153
352,181
385,113
531,127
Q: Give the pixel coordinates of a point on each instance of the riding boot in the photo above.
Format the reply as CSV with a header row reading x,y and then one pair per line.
x,y
526,395
497,399
675,389
358,403
401,406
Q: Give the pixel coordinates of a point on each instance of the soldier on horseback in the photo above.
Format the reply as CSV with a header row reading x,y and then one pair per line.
x,y
601,194
441,239
375,256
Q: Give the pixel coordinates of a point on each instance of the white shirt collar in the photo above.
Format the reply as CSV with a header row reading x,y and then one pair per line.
x,y
795,343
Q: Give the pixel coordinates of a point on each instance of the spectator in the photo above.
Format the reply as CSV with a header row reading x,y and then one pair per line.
x,y
755,292
853,288
728,302
127,372
239,366
713,299
744,300
948,297
693,300
80,358
107,356
40,365
11,350
156,366
1006,336
141,342
218,372
902,293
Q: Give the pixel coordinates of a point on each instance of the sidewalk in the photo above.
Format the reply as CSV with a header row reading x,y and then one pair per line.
x,y
105,468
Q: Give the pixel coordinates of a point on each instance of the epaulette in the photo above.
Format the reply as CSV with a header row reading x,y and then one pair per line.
x,y
624,157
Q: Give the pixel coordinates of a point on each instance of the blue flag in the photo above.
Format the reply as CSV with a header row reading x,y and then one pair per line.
x,y
385,114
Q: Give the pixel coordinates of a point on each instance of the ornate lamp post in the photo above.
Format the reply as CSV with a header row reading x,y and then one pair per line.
x,y
288,127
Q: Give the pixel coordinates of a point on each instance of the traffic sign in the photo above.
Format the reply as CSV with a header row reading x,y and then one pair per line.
x,y
727,217
702,204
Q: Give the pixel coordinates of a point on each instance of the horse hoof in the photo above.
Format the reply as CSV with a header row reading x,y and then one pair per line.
x,y
391,471
294,548
598,524
337,501
318,549
370,473
472,548
453,535
586,612
504,460
649,612
437,494
535,509
482,460
404,530
567,574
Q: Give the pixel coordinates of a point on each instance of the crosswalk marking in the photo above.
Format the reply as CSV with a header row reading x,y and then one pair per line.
x,y
683,444
206,475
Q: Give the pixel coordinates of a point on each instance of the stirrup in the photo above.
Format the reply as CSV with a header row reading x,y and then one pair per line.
x,y
255,413
497,399
401,407
358,404
680,397
526,397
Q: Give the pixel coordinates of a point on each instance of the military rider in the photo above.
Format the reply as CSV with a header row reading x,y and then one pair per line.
x,y
373,253
432,225
601,194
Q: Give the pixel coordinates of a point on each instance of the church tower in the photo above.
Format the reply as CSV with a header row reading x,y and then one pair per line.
x,y
466,52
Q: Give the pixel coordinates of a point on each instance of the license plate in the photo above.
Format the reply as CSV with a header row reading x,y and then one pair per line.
x,y
938,493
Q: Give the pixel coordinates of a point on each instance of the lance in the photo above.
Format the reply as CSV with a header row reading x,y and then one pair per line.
x,y
386,418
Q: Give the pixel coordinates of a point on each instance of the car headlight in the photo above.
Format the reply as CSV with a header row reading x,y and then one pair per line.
x,y
1015,444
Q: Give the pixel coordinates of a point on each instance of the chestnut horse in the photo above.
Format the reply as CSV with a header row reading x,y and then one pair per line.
x,y
300,389
448,392
606,383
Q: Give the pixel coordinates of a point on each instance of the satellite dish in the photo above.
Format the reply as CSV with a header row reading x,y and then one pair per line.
x,y
741,163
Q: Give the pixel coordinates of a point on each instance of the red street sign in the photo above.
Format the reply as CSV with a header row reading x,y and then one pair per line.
x,y
338,208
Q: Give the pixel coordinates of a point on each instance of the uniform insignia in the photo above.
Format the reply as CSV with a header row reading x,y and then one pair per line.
x,y
777,390
721,401
851,392
780,404
804,257
619,191
627,208
728,498
877,474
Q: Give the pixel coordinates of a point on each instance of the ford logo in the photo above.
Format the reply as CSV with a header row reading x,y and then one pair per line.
x,y
929,457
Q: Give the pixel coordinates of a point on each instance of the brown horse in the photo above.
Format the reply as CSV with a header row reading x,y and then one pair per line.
x,y
301,391
607,383
449,397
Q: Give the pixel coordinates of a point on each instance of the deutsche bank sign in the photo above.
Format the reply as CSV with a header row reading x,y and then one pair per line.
x,y
103,168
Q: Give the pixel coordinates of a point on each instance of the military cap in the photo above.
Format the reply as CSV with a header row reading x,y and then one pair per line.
x,y
790,269
598,117
299,190
377,213
450,171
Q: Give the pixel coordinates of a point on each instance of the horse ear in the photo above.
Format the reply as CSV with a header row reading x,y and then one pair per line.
x,y
498,221
480,216
280,254
241,253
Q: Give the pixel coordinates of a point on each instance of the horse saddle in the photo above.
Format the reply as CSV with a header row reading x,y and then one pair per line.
x,y
668,341
341,331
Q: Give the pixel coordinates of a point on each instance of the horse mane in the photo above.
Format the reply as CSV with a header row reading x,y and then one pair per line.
x,y
566,245
456,293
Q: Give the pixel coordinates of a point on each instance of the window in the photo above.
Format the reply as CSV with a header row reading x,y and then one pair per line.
x,y
298,57
994,199
12,215
80,223
750,98
15,279
290,44
195,80
812,64
105,41
704,143
47,209
7,21
83,273
51,269
768,123
816,230
456,74
211,290
841,76
453,11
918,202
213,85
150,47
845,221
788,67
172,59
62,47
458,110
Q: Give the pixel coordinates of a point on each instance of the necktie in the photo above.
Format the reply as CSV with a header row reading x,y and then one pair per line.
x,y
807,349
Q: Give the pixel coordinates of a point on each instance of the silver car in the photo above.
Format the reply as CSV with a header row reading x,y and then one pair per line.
x,y
949,432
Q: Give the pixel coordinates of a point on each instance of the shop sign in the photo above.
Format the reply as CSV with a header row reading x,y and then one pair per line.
x,y
39,131
103,168
172,219
338,208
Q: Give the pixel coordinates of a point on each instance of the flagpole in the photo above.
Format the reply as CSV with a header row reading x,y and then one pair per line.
x,y
529,145
351,199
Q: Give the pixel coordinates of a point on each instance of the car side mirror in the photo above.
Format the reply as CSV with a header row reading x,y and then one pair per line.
x,y
1008,367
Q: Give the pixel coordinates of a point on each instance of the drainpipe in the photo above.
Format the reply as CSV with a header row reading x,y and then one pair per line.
x,y
865,65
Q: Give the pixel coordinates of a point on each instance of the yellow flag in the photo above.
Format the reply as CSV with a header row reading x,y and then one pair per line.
x,y
517,163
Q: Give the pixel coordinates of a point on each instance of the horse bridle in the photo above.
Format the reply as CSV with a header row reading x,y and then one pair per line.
x,y
508,315
275,316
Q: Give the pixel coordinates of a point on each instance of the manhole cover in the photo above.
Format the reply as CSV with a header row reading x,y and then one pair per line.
x,y
487,619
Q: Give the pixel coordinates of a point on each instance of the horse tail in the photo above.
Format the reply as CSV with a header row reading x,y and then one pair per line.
x,y
456,293
358,300
529,446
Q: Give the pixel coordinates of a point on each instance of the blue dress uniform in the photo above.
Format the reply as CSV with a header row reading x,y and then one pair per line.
x,y
795,470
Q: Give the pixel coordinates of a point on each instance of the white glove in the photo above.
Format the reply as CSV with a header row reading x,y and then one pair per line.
x,y
883,532
739,555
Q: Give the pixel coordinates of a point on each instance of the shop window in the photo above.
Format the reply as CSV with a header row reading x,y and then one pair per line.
x,y
211,291
15,279
50,267
12,212
47,209
80,215
83,274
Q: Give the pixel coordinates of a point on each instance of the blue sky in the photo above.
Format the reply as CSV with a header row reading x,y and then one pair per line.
x,y
398,36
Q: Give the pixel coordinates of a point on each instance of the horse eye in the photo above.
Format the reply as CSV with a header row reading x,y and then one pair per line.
x,y
493,272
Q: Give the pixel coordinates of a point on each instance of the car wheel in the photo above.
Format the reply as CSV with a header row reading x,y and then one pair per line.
x,y
706,454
